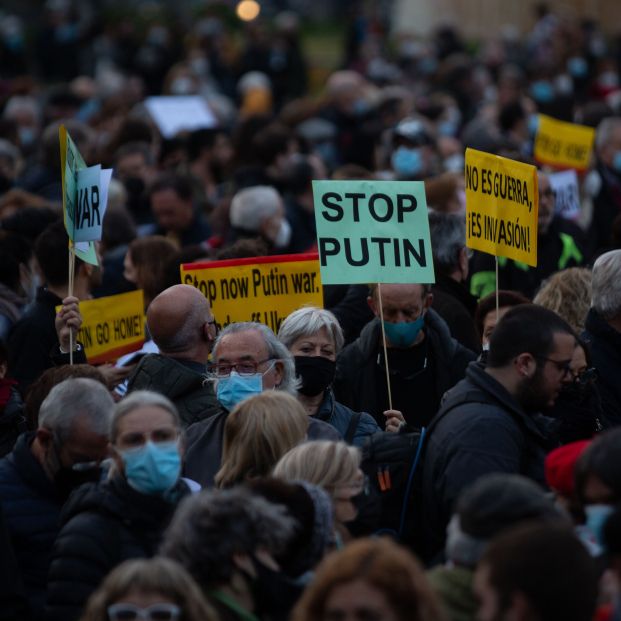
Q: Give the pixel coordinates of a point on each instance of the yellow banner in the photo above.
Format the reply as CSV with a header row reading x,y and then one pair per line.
x,y
263,289
112,326
563,145
502,202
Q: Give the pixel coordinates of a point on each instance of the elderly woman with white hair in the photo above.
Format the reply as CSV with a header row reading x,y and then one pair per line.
x,y
314,337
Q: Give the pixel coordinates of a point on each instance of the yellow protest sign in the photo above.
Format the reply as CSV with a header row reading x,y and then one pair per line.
x,y
112,326
263,289
563,145
502,202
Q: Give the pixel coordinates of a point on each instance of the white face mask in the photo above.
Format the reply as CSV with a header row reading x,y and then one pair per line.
x,y
283,237
592,183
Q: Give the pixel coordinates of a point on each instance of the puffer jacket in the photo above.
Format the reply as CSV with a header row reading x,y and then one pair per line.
x,y
103,525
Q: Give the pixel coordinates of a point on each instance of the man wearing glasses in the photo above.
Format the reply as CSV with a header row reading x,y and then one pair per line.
x,y
490,421
248,359
183,328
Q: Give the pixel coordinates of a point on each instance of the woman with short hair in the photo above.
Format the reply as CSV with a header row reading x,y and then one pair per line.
x,y
314,337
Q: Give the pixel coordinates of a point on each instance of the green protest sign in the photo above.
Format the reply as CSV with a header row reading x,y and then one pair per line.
x,y
373,232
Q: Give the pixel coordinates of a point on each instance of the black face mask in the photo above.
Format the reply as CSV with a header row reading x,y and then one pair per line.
x,y
273,593
316,372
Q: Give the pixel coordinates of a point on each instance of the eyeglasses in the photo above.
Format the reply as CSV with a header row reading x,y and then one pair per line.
x,y
246,368
562,366
587,376
549,193
155,612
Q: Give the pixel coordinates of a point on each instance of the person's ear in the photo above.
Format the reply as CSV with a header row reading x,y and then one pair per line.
x,y
463,263
45,437
279,373
525,365
373,305
428,301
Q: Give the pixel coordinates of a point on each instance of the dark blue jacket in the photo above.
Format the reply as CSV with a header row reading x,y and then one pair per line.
x,y
31,506
339,416
480,428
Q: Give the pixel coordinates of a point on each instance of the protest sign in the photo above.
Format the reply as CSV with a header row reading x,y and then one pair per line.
x,y
263,289
502,202
112,326
373,232
563,145
566,193
173,114
85,198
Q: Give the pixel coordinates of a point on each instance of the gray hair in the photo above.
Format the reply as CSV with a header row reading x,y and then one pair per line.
x,y
19,103
606,284
139,399
605,130
251,206
448,237
75,398
211,527
308,321
275,351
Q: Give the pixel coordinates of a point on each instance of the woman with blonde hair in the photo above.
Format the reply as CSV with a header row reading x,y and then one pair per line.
x,y
257,433
145,264
369,579
568,294
158,588
334,466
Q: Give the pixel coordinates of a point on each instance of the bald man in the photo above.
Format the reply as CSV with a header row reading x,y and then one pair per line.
x,y
182,326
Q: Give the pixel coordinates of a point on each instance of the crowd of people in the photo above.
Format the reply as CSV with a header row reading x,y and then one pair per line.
x,y
469,467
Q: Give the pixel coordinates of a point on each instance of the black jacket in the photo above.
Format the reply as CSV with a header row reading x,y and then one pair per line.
x,y
605,343
33,342
103,525
203,454
357,371
184,386
456,305
31,506
479,429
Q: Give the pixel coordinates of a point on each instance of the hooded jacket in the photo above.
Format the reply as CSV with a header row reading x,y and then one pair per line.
x,y
185,387
103,525
480,428
357,371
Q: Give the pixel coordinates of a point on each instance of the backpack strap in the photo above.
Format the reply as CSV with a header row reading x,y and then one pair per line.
x,y
351,428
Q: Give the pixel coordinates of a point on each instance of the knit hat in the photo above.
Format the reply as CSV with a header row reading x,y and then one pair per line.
x,y
491,504
560,466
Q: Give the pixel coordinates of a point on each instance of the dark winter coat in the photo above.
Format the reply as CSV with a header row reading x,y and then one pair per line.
x,y
480,428
456,305
340,417
103,525
358,374
182,384
31,506
605,344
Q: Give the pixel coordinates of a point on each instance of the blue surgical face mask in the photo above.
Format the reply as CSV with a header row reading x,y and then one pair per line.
x,y
153,468
578,67
596,516
235,388
542,91
406,162
616,162
404,333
